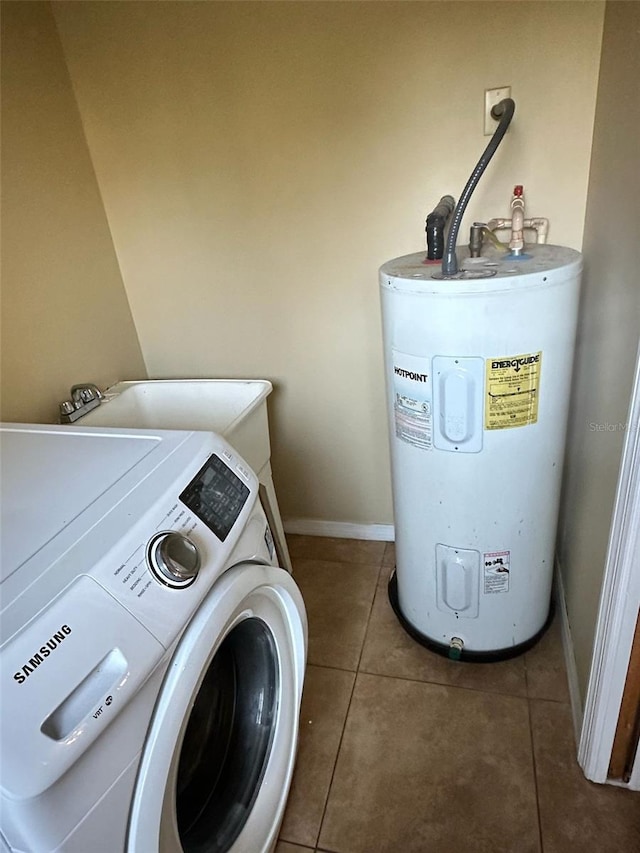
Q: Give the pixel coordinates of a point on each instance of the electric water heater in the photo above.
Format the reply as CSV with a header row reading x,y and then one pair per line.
x,y
478,372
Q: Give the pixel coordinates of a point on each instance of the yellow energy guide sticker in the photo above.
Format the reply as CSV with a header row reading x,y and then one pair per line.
x,y
512,391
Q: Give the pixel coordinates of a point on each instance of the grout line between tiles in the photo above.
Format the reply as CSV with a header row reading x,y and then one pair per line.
x,y
330,666
313,557
360,671
565,702
346,716
366,627
445,684
535,777
335,763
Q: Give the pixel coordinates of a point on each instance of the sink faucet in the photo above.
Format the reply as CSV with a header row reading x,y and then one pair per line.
x,y
84,398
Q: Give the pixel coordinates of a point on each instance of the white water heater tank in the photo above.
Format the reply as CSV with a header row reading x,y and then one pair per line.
x,y
478,377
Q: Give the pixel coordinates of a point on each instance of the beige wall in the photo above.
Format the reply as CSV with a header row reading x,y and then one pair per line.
x,y
609,328
259,161
65,315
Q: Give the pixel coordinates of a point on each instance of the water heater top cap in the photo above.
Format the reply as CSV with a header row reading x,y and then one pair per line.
x,y
545,264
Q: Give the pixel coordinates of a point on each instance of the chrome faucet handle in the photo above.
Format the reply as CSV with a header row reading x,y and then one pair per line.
x,y
84,398
85,392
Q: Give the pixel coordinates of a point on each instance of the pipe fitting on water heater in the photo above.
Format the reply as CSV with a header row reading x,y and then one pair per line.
x,y
435,228
517,225
516,243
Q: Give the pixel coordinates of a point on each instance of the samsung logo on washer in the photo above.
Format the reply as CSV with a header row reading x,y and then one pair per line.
x,y
409,374
43,652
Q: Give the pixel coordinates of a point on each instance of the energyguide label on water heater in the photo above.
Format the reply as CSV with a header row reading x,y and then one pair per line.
x,y
512,390
413,400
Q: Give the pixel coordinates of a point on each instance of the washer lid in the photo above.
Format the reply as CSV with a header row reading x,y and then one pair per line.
x,y
51,475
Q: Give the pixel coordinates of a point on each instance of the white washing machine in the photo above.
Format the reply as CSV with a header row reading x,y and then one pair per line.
x,y
151,654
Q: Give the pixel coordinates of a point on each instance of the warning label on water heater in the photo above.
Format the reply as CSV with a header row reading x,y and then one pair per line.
x,y
512,390
412,400
497,569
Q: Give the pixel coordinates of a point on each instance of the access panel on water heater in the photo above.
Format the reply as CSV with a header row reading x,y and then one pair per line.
x,y
458,386
458,580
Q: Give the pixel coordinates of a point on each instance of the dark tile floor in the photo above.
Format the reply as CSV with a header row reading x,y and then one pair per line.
x,y
402,751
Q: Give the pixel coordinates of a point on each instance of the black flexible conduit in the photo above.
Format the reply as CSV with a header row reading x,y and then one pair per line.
x,y
505,109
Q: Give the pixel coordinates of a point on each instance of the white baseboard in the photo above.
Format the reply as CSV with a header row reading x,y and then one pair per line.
x,y
569,655
339,529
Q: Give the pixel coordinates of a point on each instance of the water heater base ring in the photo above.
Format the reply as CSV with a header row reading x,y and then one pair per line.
x,y
466,655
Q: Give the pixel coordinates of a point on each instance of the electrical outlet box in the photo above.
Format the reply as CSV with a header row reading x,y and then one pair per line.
x,y
491,98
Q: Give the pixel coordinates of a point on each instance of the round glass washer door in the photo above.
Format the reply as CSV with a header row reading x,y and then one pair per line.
x,y
228,740
218,760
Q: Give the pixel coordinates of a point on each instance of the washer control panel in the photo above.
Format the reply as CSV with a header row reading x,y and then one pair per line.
x,y
172,555
216,495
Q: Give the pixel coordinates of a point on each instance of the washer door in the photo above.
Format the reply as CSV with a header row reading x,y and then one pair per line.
x,y
218,760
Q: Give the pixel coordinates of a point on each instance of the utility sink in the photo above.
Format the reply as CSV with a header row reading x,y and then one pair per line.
x,y
236,409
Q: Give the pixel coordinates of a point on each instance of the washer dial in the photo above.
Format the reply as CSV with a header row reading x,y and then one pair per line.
x,y
173,558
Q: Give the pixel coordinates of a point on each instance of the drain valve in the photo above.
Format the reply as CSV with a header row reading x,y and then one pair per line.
x,y
455,648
